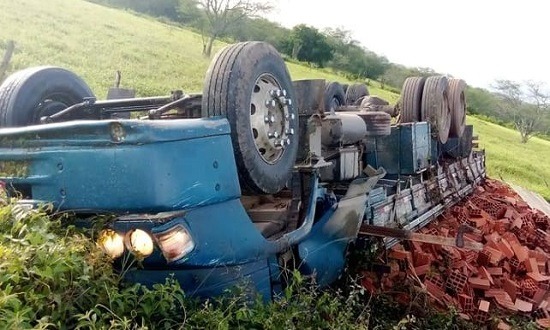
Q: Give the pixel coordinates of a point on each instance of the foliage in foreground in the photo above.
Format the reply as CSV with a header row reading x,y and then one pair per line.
x,y
54,277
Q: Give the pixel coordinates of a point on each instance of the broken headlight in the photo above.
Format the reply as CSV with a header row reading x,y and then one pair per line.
x,y
175,243
111,242
140,243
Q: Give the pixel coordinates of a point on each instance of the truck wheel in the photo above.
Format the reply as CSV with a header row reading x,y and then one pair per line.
x,y
457,104
355,92
345,88
411,99
249,84
334,96
435,106
27,95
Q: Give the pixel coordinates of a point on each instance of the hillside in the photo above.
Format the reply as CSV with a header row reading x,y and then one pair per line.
x,y
155,58
511,161
95,41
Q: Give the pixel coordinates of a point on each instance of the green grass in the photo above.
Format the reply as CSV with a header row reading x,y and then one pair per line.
x,y
155,58
527,165
95,41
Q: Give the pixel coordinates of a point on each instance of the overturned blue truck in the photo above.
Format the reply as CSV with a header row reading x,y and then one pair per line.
x,y
255,176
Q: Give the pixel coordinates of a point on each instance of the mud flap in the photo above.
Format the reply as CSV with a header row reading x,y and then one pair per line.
x,y
323,252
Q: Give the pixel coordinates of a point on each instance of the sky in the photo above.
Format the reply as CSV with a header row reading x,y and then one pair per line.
x,y
478,41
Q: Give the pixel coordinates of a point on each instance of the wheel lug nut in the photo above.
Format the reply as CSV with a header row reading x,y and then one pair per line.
x,y
266,119
288,101
273,135
272,119
270,103
284,92
279,144
274,93
287,141
292,116
289,131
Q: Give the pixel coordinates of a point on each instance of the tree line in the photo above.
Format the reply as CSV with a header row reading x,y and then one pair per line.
x,y
522,106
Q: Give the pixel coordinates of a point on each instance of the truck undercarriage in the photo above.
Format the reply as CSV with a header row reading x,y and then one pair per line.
x,y
256,176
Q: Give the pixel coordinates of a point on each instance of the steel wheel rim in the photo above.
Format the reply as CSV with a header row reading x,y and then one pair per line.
x,y
52,104
270,118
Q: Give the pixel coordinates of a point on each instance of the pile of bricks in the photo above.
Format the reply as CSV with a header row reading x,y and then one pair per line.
x,y
511,274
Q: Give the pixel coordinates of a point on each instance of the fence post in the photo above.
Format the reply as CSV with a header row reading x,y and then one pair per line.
x,y
6,59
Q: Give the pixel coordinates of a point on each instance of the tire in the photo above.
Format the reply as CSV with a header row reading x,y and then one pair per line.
x,y
237,86
378,123
372,101
411,99
345,88
334,96
435,106
355,92
457,105
29,94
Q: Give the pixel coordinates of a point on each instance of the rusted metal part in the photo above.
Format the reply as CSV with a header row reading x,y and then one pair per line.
x,y
408,235
309,95
109,106
181,101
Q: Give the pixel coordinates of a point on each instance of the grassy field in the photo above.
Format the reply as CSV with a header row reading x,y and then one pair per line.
x,y
95,41
526,165
155,58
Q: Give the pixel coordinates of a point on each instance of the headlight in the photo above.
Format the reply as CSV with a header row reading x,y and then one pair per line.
x,y
111,243
175,243
140,243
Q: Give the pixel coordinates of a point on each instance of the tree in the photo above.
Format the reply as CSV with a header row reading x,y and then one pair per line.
x,y
259,29
221,14
351,57
526,104
308,44
190,14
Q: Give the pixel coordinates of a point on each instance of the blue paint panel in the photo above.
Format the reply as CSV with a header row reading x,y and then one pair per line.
x,y
98,133
142,176
223,235
228,250
208,282
323,252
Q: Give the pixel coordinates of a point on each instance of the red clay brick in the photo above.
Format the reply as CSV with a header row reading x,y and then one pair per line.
x,y
538,277
511,288
539,296
436,291
506,302
511,238
422,258
544,323
474,237
517,222
466,302
422,270
495,271
485,274
479,283
521,252
531,265
496,255
503,326
505,248
400,255
524,306
484,306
